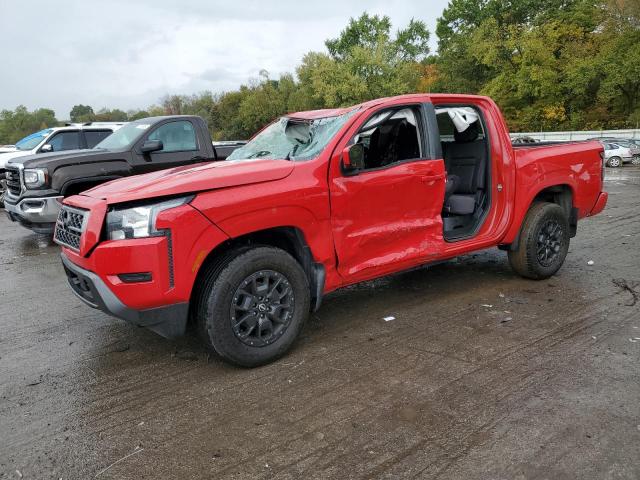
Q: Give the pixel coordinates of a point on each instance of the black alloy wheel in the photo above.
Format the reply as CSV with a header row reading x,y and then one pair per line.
x,y
550,239
262,308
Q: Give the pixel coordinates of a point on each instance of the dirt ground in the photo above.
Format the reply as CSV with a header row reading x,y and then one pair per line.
x,y
481,375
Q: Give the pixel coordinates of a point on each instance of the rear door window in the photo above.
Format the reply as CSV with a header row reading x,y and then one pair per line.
x,y
94,137
68,140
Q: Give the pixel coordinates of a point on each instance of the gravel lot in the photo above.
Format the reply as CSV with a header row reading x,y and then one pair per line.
x,y
481,375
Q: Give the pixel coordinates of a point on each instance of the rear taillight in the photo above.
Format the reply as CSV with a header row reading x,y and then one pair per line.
x,y
602,165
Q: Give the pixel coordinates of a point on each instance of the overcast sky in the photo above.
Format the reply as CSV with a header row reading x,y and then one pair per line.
x,y
128,54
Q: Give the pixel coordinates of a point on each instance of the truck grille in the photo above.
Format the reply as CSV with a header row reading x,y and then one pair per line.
x,y
13,181
69,227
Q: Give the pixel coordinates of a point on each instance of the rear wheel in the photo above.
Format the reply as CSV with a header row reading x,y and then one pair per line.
x,y
635,160
614,162
252,307
544,242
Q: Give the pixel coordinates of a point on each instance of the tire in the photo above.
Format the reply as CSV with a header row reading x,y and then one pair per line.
x,y
544,242
635,160
246,329
614,162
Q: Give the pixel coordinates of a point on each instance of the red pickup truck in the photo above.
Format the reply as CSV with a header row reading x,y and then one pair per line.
x,y
316,201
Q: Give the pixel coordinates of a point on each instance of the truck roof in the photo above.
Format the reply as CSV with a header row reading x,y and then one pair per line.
x,y
334,112
93,124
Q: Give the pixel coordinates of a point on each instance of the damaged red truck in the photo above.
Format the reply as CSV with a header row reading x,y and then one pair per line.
x,y
318,200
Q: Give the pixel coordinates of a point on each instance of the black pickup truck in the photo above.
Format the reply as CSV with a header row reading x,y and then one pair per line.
x,y
36,184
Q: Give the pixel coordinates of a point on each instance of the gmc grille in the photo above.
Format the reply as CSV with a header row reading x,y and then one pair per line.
x,y
69,227
13,181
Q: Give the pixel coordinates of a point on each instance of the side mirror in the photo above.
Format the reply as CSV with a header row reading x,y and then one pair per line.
x,y
353,157
151,146
46,148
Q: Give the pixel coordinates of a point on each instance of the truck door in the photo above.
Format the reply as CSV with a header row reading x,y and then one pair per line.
x,y
387,215
179,147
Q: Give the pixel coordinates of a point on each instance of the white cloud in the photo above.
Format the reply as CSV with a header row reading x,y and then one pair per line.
x,y
123,54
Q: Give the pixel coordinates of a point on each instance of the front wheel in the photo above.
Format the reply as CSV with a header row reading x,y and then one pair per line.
x,y
252,308
614,162
635,160
544,242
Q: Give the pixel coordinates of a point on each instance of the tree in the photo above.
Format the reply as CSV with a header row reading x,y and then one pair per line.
x,y
550,64
366,31
106,115
81,113
17,124
365,62
133,115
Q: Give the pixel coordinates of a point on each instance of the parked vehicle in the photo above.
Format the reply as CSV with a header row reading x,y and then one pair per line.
x,y
635,142
7,148
69,137
523,139
317,201
37,184
618,153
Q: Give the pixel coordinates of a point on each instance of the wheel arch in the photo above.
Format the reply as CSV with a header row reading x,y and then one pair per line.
x,y
291,239
79,185
561,194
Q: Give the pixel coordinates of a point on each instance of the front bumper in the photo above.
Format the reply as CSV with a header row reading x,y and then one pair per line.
x,y
169,321
37,214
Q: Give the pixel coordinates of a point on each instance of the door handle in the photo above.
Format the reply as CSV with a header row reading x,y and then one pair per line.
x,y
431,178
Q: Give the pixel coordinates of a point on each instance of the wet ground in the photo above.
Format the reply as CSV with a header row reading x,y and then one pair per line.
x,y
481,375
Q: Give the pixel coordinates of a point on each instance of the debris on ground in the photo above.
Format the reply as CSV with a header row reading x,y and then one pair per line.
x,y
591,262
631,288
388,319
486,305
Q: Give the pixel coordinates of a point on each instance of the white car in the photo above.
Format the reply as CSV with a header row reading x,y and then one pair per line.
x,y
70,137
615,155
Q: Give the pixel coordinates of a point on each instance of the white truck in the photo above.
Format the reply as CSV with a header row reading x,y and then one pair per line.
x,y
73,136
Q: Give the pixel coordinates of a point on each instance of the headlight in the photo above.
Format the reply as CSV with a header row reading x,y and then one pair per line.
x,y
35,177
138,222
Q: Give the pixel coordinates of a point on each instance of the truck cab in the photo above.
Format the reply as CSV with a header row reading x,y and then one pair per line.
x,y
317,201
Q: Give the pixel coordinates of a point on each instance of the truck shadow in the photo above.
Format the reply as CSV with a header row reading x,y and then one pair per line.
x,y
34,244
357,310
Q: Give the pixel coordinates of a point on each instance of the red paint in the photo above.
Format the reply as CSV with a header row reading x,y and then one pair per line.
x,y
359,227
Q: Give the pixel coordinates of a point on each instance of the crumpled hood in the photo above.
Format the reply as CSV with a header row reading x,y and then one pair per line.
x,y
191,179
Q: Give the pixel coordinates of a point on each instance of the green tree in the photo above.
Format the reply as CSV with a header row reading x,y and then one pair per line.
x,y
81,113
106,115
366,62
19,123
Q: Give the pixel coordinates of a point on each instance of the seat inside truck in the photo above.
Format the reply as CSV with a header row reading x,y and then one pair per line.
x,y
465,151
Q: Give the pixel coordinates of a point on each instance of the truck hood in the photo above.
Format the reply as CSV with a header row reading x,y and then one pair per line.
x,y
191,179
55,160
5,157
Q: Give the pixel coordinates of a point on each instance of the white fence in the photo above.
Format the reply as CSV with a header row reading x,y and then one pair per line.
x,y
580,135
